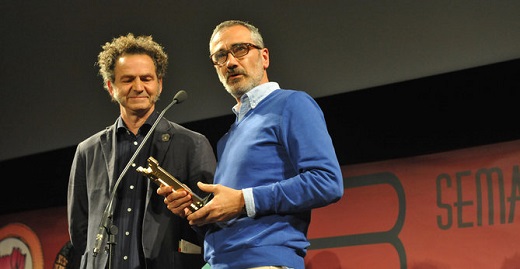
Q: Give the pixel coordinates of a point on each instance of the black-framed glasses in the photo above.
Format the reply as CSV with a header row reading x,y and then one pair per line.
x,y
237,50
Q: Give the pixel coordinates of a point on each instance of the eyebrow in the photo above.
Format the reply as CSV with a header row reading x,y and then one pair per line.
x,y
231,46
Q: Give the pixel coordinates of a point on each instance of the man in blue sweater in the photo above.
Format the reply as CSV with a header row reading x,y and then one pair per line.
x,y
275,164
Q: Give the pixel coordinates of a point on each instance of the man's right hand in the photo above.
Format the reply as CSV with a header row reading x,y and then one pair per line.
x,y
177,202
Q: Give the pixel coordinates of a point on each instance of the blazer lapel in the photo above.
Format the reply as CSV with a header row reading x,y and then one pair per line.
x,y
107,141
161,140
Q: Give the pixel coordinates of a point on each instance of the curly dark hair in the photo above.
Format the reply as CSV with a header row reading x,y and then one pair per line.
x,y
130,44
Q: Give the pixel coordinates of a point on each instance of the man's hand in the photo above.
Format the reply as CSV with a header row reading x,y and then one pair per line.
x,y
227,203
177,202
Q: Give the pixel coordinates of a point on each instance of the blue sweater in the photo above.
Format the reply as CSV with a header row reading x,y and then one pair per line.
x,y
282,150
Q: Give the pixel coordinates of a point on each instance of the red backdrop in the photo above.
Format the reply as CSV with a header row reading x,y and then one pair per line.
x,y
458,209
449,210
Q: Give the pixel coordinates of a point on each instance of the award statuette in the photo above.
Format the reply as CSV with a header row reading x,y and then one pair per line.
x,y
158,175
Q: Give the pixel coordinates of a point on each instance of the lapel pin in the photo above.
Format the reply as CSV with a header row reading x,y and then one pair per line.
x,y
165,137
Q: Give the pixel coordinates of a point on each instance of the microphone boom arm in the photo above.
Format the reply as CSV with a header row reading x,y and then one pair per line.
x,y
106,221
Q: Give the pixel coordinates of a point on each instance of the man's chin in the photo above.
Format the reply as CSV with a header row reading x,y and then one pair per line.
x,y
139,109
234,80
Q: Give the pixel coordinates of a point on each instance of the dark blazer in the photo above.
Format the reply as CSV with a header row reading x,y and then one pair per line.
x,y
185,154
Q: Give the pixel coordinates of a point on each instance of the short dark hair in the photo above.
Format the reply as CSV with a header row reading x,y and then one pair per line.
x,y
255,33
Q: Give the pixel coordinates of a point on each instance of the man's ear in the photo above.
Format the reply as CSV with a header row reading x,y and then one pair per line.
x,y
265,56
110,87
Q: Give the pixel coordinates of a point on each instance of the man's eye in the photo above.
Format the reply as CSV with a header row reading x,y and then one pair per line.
x,y
239,49
220,55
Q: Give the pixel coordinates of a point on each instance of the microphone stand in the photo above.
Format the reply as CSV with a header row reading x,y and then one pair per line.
x,y
106,226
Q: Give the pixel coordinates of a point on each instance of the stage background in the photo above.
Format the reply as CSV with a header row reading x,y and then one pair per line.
x,y
398,81
457,209
391,129
54,98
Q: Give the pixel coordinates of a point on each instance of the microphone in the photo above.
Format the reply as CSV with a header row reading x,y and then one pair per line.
x,y
180,96
105,225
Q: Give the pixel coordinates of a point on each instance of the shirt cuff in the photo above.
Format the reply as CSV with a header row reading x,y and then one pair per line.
x,y
250,202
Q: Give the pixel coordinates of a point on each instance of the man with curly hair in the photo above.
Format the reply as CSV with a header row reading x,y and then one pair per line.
x,y
148,235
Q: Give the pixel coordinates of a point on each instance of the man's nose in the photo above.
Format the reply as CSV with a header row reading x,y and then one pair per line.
x,y
231,60
137,85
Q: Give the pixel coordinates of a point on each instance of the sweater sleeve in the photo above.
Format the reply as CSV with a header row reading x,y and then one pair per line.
x,y
318,180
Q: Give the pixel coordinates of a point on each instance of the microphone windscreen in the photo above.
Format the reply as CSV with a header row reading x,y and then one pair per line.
x,y
180,96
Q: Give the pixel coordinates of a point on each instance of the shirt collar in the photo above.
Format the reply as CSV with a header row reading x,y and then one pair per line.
x,y
121,126
257,94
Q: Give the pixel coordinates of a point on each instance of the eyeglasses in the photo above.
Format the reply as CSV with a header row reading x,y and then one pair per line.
x,y
237,50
